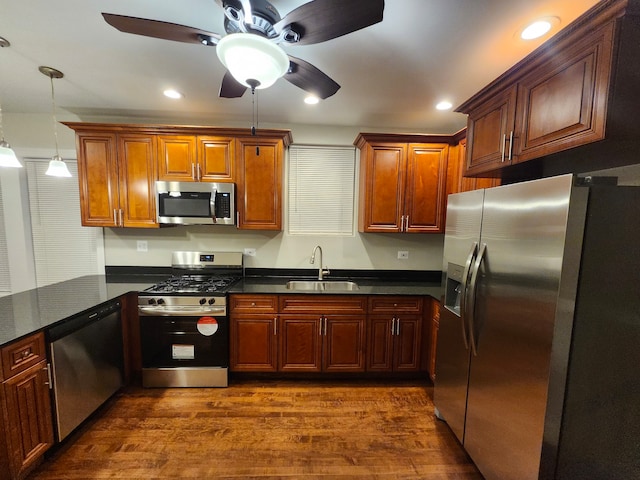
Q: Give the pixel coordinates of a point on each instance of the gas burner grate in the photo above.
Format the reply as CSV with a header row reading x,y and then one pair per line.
x,y
194,284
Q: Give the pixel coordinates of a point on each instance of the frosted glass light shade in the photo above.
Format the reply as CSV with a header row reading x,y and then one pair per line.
x,y
8,156
249,56
57,168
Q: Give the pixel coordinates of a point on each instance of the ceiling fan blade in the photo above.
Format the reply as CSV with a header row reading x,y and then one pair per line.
x,y
230,87
321,20
307,77
158,29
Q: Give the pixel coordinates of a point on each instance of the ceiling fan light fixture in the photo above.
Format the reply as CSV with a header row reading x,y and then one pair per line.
x,y
249,56
311,100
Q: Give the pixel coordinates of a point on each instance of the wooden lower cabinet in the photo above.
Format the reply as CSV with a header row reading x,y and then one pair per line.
x,y
26,407
254,333
395,339
327,333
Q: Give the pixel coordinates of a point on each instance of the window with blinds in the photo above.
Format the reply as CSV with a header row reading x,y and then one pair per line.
x,y
62,248
321,190
5,278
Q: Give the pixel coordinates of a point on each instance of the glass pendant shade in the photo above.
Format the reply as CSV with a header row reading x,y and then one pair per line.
x,y
8,156
249,56
57,168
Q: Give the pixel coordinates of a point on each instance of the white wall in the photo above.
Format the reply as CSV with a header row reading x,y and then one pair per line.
x,y
32,135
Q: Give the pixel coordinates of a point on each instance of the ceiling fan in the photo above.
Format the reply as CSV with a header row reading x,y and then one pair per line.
x,y
256,26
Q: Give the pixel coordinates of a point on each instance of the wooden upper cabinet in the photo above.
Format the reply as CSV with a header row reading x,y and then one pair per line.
x,y
177,158
98,179
136,180
259,185
215,158
402,183
491,130
195,158
425,188
563,95
564,105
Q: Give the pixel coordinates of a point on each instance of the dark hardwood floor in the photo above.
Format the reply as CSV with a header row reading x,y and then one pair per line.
x,y
265,429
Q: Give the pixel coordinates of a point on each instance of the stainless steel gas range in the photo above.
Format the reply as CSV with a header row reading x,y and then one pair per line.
x,y
184,323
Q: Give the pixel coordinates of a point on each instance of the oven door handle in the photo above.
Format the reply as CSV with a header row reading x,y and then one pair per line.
x,y
180,312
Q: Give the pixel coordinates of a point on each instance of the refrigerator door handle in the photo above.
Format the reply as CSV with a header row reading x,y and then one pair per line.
x,y
472,303
463,293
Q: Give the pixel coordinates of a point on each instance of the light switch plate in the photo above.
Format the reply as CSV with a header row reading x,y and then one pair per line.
x,y
142,246
403,255
250,252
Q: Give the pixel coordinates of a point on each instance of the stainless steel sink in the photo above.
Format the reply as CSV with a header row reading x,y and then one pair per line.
x,y
322,285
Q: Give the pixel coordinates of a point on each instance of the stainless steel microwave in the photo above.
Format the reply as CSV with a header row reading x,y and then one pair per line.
x,y
195,203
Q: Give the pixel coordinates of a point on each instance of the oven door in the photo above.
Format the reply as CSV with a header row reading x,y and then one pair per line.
x,y
184,351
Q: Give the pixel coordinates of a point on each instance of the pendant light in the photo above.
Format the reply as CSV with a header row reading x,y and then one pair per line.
x,y
57,167
7,155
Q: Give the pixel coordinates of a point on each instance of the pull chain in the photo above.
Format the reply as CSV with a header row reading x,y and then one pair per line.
x,y
254,110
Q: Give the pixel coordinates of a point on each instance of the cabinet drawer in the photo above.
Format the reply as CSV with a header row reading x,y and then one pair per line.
x,y
253,303
391,304
20,355
324,304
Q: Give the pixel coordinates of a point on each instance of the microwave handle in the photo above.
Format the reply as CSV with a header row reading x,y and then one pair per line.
x,y
212,205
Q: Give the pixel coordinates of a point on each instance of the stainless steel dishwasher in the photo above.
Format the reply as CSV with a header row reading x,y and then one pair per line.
x,y
87,360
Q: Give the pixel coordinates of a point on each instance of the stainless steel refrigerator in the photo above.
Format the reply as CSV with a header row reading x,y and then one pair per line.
x,y
538,354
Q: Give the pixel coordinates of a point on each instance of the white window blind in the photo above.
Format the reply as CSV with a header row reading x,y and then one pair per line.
x,y
321,190
62,248
5,278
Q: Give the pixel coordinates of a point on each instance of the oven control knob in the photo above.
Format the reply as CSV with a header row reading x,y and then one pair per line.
x,y
160,301
152,301
203,301
212,301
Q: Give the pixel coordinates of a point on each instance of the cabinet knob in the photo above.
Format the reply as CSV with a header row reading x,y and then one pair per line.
x,y
253,304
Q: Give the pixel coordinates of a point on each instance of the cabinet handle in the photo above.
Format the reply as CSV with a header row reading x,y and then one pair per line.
x,y
504,142
325,326
510,145
115,217
199,172
397,326
275,326
121,221
193,171
320,329
393,326
402,223
406,226
48,382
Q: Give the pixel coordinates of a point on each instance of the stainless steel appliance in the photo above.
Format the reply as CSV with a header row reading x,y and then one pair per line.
x,y
537,369
184,322
87,364
195,203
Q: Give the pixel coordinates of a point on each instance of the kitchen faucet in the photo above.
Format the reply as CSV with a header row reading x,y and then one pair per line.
x,y
313,259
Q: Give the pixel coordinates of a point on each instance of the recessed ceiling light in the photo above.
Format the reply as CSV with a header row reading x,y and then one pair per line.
x,y
172,94
444,105
538,28
311,100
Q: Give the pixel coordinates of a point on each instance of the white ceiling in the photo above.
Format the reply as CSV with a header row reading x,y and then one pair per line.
x,y
392,74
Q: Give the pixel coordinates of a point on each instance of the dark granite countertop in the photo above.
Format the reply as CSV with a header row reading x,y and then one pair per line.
x,y
29,312
34,310
277,285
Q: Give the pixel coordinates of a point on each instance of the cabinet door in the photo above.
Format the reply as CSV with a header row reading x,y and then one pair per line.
x,y
406,348
215,159
28,420
177,158
382,187
259,182
300,343
563,104
98,179
343,338
137,175
253,345
425,188
489,130
380,344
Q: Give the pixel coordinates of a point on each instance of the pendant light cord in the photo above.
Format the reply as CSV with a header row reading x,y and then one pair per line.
x,y
53,107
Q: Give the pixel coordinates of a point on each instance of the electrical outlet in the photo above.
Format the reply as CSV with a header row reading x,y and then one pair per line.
x,y
403,254
142,246
250,252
